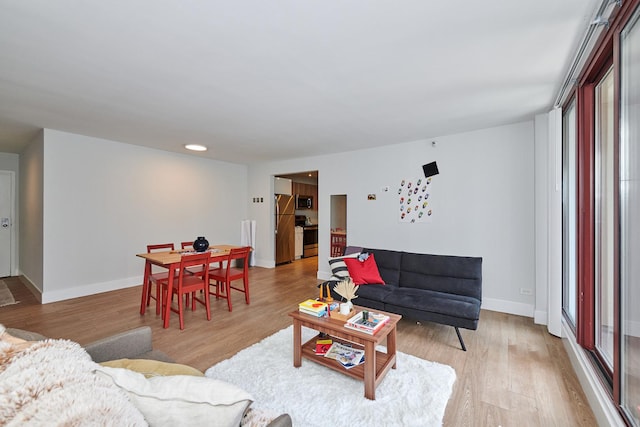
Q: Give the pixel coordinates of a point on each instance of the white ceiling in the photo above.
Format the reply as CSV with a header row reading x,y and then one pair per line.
x,y
259,80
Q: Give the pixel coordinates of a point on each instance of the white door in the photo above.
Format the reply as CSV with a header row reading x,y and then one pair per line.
x,y
6,221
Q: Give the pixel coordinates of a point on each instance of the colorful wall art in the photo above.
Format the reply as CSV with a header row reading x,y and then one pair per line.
x,y
415,200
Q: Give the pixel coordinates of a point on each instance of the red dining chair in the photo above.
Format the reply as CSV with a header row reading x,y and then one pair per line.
x,y
338,243
189,246
154,278
187,283
226,274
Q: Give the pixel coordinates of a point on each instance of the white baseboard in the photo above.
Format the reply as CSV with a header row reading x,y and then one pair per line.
x,y
604,410
32,287
510,307
90,289
265,263
633,329
540,317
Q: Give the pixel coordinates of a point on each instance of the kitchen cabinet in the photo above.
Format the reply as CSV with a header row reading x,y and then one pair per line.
x,y
306,190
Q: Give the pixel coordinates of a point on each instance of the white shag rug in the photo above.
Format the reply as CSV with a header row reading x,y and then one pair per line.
x,y
414,394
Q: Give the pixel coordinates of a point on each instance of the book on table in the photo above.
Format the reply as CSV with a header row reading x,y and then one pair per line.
x,y
313,307
312,313
323,345
368,322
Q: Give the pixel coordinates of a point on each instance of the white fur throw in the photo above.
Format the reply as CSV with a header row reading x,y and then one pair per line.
x,y
52,383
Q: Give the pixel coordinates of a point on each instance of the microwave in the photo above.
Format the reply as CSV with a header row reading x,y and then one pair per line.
x,y
304,202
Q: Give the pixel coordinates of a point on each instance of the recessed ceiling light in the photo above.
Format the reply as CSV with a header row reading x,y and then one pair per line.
x,y
195,147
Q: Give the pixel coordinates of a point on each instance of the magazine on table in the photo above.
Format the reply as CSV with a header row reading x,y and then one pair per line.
x,y
347,355
348,364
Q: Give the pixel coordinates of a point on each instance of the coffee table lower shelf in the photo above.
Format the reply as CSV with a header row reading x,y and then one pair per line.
x,y
384,362
376,363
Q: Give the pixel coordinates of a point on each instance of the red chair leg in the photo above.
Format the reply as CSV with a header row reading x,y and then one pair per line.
x,y
158,299
181,313
228,290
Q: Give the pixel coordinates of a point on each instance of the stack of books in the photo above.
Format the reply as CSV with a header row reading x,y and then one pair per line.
x,y
367,322
313,307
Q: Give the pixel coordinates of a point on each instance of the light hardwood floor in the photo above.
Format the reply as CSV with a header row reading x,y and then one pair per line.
x,y
513,374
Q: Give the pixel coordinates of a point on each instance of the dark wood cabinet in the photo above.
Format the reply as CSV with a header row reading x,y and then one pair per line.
x,y
306,190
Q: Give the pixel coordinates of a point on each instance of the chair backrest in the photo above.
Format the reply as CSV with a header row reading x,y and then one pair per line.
x,y
338,243
200,259
163,246
186,244
239,253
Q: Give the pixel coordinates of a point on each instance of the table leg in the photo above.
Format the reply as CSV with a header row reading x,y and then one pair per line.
x,y
370,370
297,343
145,287
391,345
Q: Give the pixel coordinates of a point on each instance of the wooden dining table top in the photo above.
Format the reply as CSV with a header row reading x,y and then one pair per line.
x,y
173,257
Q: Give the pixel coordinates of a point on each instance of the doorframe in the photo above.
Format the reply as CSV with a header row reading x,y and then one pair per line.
x,y
13,269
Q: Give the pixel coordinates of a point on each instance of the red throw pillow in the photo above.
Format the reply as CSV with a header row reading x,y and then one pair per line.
x,y
363,272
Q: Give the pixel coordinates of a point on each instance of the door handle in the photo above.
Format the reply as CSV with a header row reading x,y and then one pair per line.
x,y
4,222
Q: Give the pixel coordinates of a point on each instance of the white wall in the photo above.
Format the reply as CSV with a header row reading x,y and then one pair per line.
x,y
542,216
9,162
31,211
483,201
104,201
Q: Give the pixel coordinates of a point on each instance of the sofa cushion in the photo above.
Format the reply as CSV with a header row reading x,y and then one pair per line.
x,y
450,274
388,263
338,267
374,292
350,250
153,368
182,399
435,302
365,271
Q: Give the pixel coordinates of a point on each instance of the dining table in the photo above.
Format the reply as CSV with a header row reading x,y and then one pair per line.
x,y
171,261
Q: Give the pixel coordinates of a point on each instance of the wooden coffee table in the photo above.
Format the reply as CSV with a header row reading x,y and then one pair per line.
x,y
376,364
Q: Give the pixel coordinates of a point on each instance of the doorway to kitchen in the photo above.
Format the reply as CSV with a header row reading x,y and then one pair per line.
x,y
338,224
298,241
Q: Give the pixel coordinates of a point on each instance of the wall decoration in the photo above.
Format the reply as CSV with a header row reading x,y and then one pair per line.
x,y
371,197
415,200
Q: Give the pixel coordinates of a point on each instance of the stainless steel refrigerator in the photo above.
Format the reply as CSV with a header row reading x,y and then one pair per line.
x,y
285,228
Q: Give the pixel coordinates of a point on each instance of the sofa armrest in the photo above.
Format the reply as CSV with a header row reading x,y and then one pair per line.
x,y
127,344
283,420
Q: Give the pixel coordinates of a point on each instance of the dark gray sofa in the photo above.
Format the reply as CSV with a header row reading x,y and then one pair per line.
x,y
436,288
